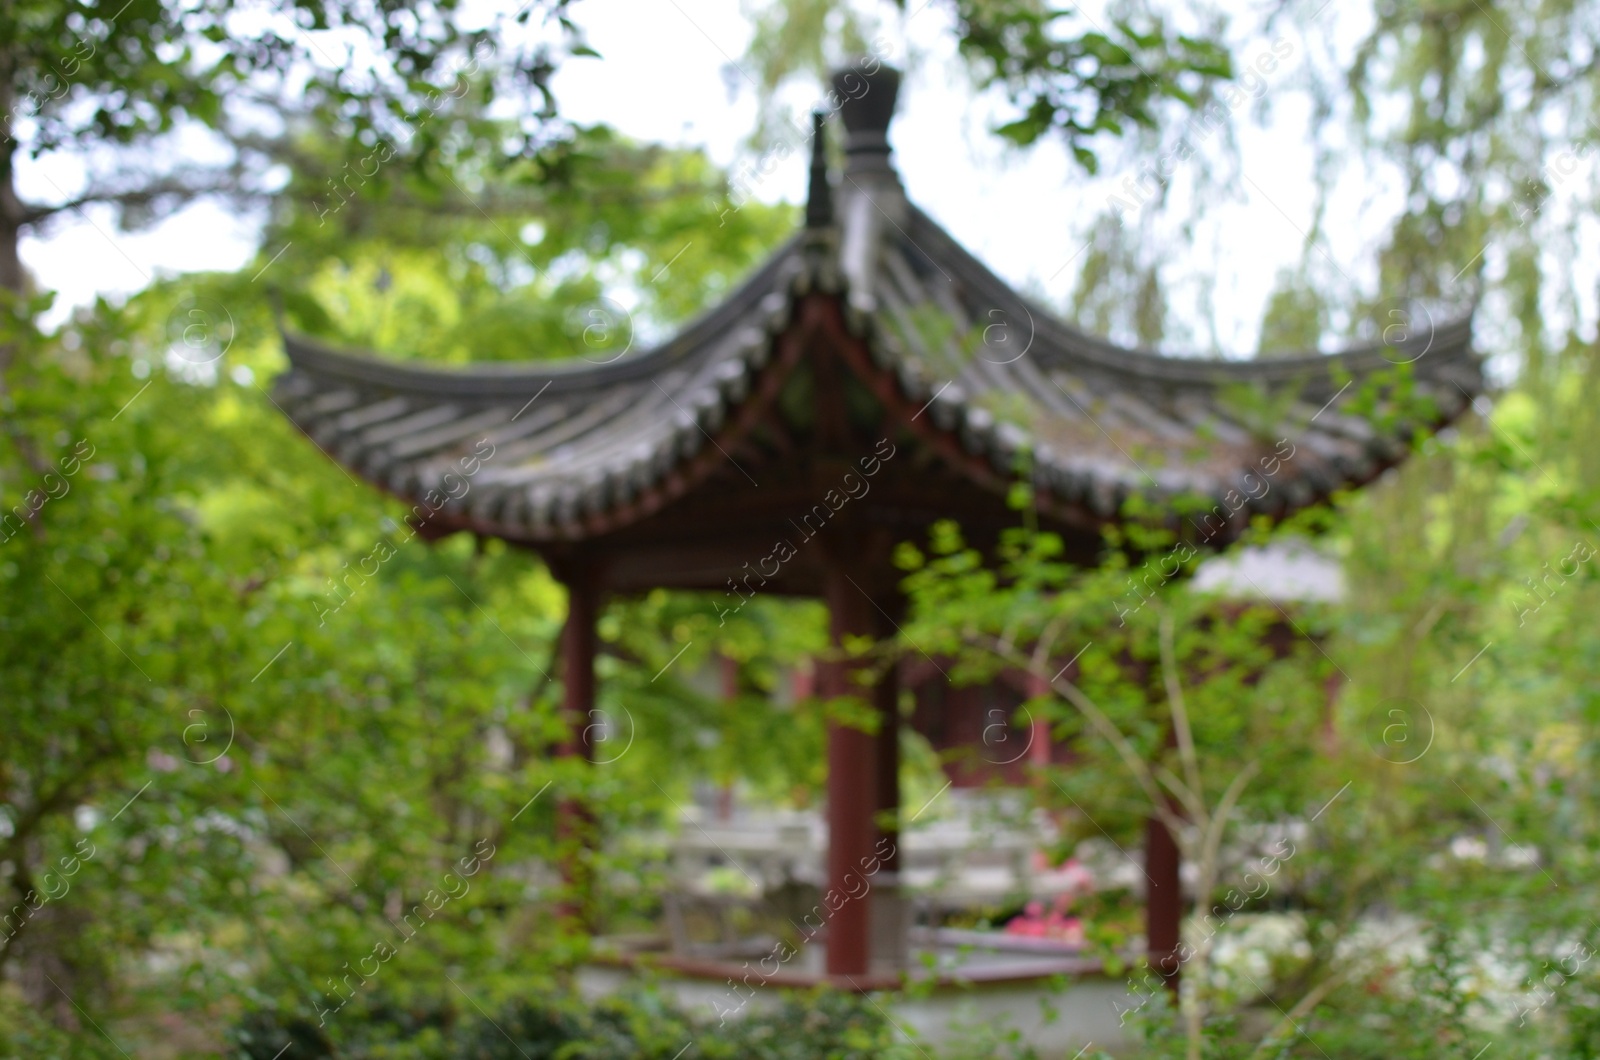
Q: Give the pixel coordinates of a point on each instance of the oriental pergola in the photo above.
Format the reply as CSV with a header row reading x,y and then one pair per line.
x,y
872,377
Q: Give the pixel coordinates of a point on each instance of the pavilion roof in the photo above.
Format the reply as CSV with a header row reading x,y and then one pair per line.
x,y
576,442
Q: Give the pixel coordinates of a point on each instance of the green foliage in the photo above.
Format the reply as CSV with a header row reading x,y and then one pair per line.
x,y
1295,318
233,793
1100,81
282,721
1063,73
1251,695
720,737
25,1034
813,36
821,1025
250,774
524,1030
1436,804
631,239
1117,294
144,69
391,80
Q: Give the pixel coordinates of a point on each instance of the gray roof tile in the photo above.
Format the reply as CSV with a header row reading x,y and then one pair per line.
x,y
577,439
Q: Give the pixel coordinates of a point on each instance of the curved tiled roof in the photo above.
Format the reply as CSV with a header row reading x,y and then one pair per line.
x,y
578,444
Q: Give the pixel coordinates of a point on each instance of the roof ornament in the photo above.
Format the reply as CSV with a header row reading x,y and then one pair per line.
x,y
819,197
866,91
870,195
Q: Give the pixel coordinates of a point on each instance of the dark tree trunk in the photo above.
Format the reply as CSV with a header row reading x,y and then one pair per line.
x,y
12,276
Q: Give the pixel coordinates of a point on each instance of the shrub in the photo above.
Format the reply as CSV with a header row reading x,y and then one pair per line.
x,y
26,1035
821,1025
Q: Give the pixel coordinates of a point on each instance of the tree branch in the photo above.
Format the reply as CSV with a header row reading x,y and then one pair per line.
x,y
1310,1001
221,182
1101,723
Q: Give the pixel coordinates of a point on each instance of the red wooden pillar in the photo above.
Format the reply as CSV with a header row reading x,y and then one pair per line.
x,y
730,691
1163,905
578,639
886,700
1163,900
890,948
576,832
852,787
1039,728
1330,706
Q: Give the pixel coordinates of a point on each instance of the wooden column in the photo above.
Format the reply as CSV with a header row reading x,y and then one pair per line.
x,y
1163,905
1330,707
890,950
1163,900
729,670
886,699
1039,729
578,640
852,786
576,832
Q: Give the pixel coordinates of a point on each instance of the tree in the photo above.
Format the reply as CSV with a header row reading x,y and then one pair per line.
x,y
1181,708
269,709
76,78
1063,73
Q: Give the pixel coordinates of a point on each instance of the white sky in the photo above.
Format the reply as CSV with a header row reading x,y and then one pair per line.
x,y
666,76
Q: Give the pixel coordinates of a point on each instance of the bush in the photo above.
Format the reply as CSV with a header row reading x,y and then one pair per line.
x,y
521,1030
382,1030
27,1035
263,1035
821,1025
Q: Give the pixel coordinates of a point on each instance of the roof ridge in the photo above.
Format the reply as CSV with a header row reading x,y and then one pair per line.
x,y
779,272
1453,334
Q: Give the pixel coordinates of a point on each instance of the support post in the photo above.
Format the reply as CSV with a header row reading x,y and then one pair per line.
x,y
578,640
886,700
1039,728
576,831
852,785
730,691
1163,906
1163,900
891,915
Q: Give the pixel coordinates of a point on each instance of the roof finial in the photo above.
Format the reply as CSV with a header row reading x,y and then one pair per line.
x,y
819,198
866,91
